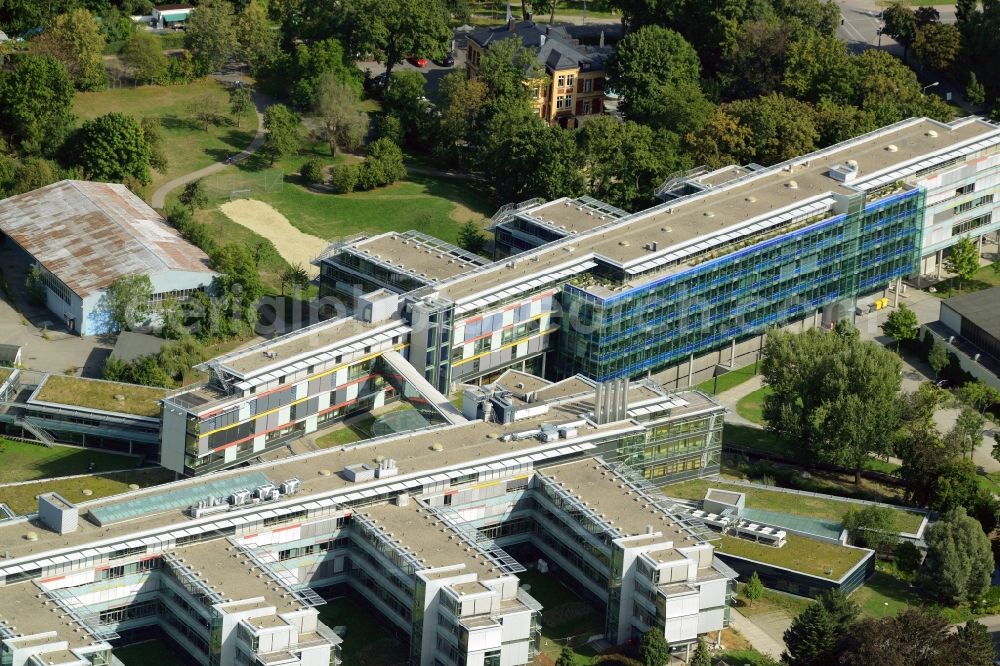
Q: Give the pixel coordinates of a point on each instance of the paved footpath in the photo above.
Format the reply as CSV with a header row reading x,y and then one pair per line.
x,y
760,639
261,102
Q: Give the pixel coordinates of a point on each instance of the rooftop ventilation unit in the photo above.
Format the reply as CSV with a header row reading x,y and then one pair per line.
x,y
892,148
792,185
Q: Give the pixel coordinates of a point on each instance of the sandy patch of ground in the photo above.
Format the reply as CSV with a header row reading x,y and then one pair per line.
x,y
293,245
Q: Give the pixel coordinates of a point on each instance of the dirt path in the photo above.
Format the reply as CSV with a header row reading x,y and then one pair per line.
x,y
293,245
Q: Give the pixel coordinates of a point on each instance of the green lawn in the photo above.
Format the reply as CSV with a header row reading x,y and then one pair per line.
x,y
367,641
22,461
984,278
187,145
751,405
566,617
156,652
799,554
743,657
772,601
437,206
884,595
727,381
22,498
790,503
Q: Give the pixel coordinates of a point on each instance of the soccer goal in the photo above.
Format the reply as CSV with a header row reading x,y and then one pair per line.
x,y
239,194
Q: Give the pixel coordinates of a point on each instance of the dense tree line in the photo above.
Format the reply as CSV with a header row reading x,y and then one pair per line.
x,y
832,631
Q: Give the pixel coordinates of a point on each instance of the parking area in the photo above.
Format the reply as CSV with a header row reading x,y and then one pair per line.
x,y
433,72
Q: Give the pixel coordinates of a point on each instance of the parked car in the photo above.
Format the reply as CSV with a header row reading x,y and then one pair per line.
x,y
418,61
447,61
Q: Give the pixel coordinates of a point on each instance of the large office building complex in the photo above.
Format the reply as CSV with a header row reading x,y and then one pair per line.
x,y
673,292
421,527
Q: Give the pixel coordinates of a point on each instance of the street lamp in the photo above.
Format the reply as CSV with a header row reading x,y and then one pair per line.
x,y
936,83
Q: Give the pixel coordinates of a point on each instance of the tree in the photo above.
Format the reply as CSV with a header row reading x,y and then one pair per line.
x,y
647,60
283,137
754,589
963,260
780,128
404,97
978,395
194,196
959,559
756,58
624,162
383,166
239,277
144,57
653,648
538,161
926,16
395,29
995,451
819,67
294,276
900,23
965,10
312,171
207,109
343,178
461,102
975,93
872,527
811,638
836,394
472,238
76,41
257,42
36,102
312,62
967,433
240,101
565,657
126,301
915,636
154,139
113,147
344,122
937,357
210,35
901,325
937,45
975,645
34,285
701,657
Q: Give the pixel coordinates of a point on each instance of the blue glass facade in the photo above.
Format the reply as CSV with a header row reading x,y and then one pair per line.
x,y
730,297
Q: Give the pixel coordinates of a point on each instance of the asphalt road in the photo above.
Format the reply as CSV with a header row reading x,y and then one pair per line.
x,y
861,25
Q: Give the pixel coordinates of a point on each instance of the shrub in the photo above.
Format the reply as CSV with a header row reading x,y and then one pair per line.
x,y
312,171
344,178
370,175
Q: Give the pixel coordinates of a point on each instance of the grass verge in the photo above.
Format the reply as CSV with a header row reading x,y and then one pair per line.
x,y
790,503
22,498
751,406
22,461
730,380
985,278
187,145
772,601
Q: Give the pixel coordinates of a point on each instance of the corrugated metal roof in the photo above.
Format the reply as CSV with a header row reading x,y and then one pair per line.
x,y
88,234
